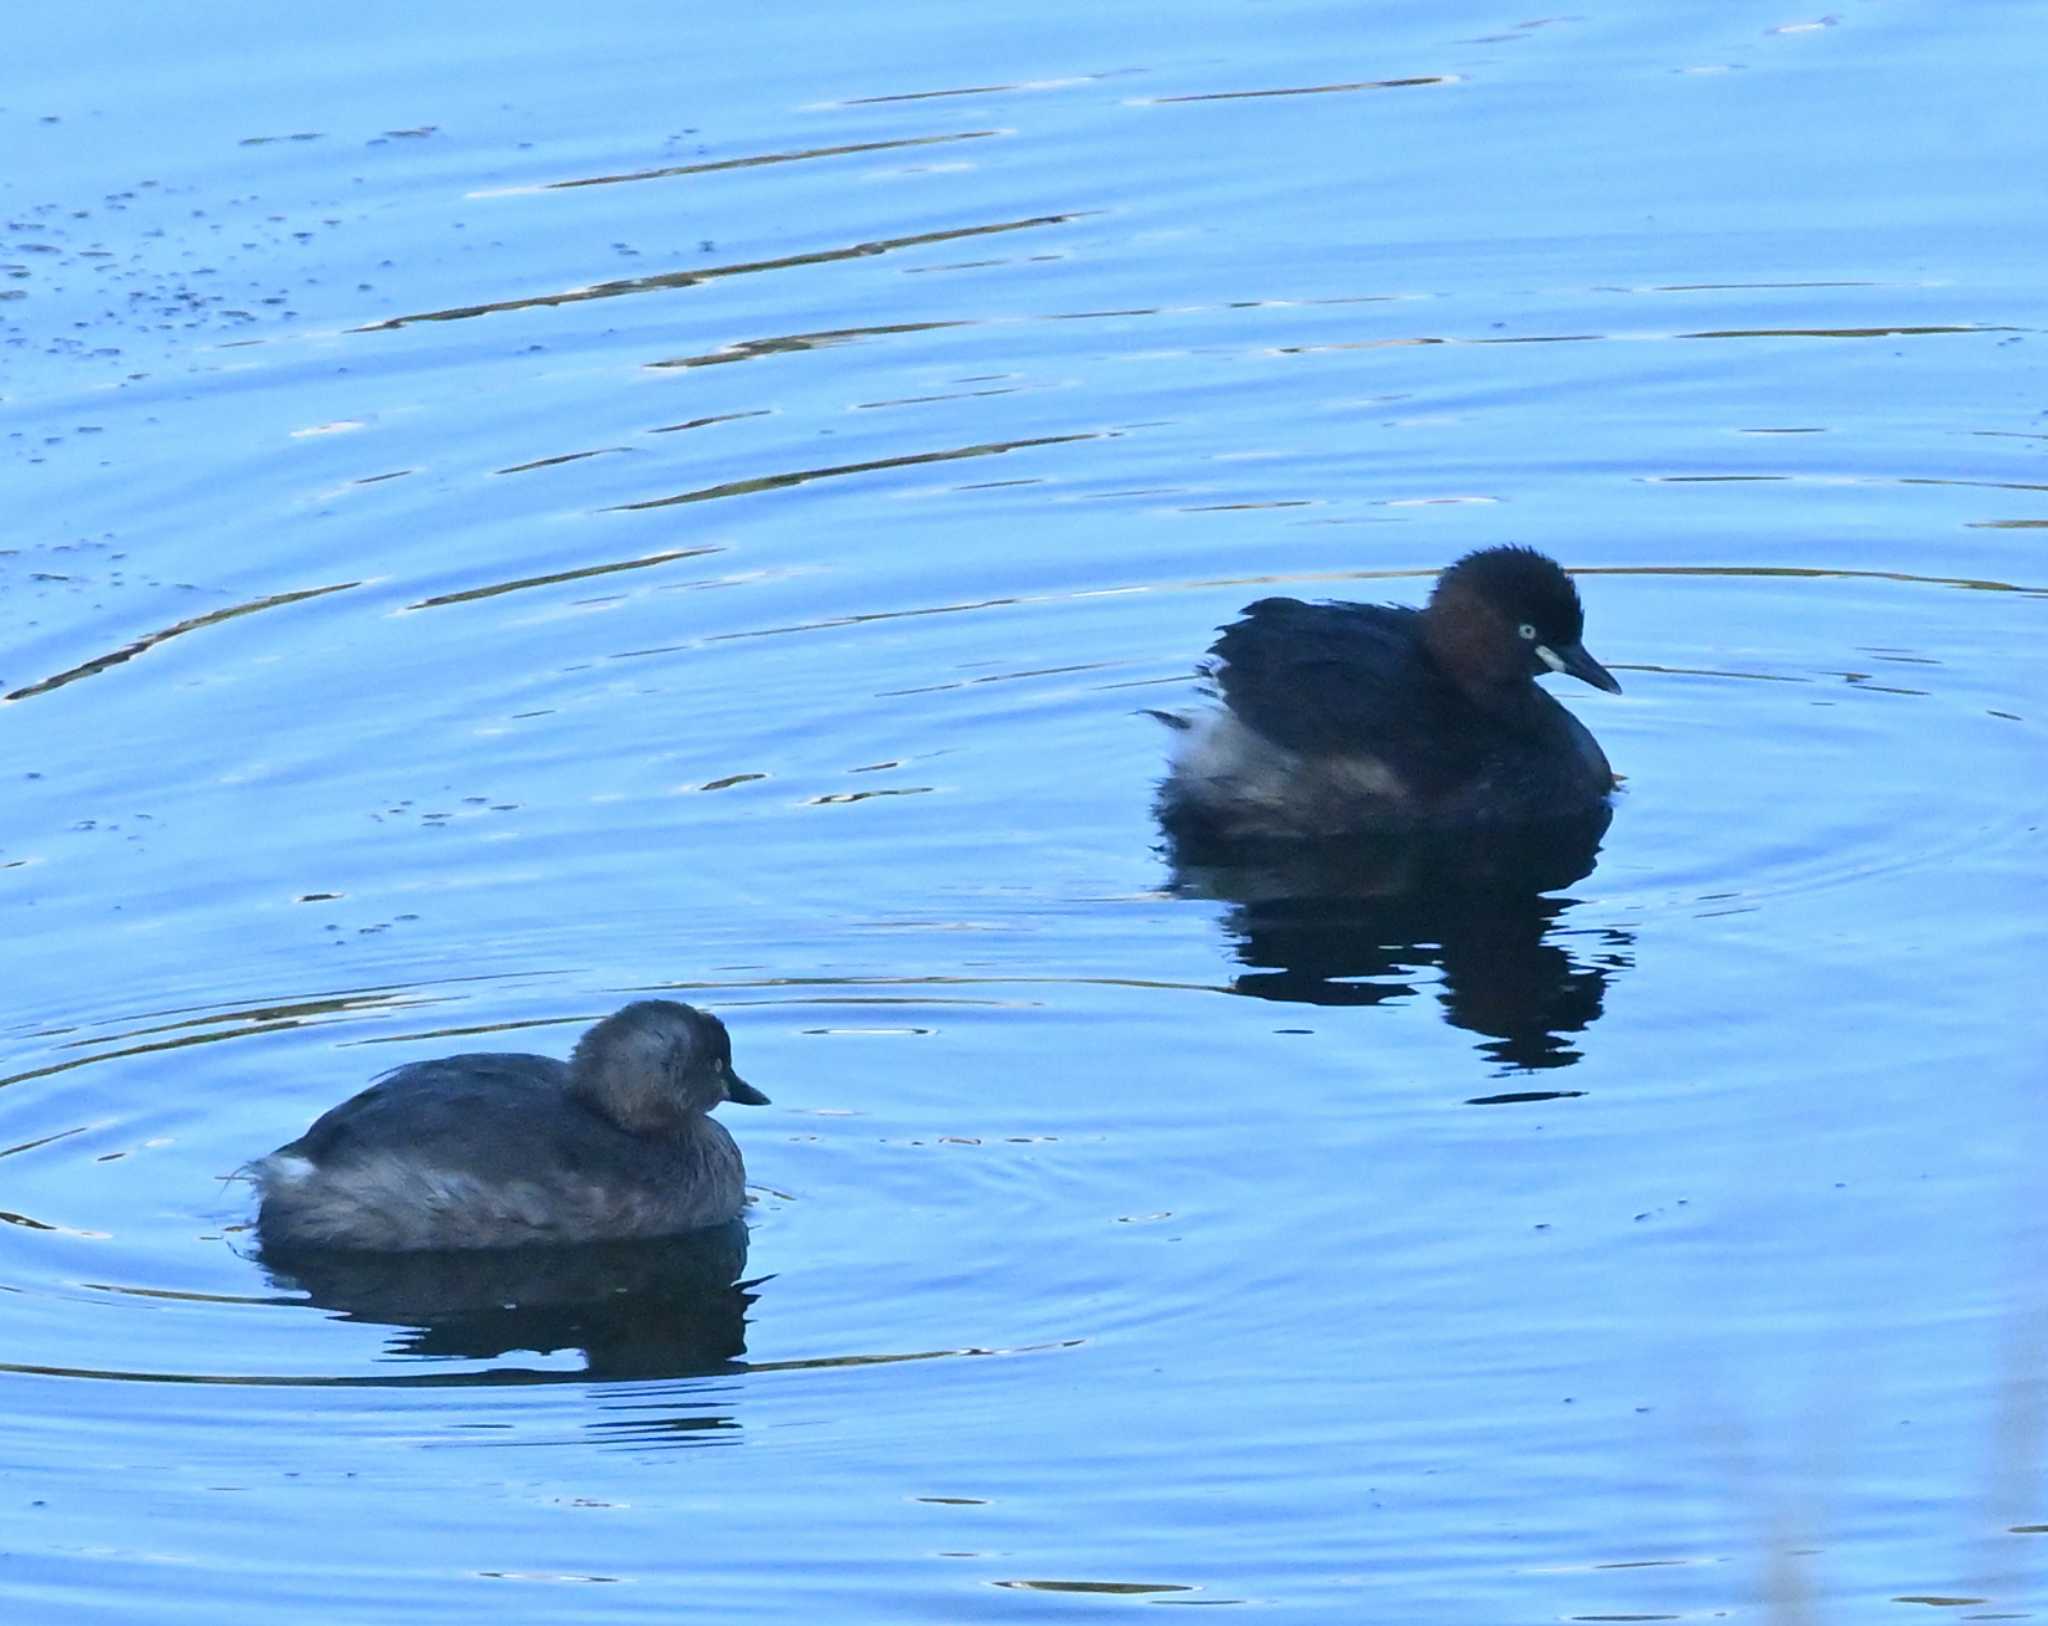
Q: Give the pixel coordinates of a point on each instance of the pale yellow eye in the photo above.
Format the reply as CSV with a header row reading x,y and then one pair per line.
x,y
1527,630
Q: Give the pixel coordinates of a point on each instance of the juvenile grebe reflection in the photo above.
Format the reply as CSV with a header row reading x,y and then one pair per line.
x,y
663,1307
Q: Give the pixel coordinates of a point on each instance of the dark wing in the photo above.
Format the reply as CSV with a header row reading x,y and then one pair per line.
x,y
1329,679
485,1114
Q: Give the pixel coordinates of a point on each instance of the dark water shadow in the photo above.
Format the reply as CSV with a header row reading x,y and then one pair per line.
x,y
1363,921
668,1308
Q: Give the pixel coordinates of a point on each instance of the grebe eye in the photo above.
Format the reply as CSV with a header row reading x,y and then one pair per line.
x,y
1528,630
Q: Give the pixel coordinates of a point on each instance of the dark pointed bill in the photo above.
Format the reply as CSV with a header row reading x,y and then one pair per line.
x,y
738,1089
1573,660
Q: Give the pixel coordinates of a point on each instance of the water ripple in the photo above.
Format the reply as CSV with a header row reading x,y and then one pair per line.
x,y
690,279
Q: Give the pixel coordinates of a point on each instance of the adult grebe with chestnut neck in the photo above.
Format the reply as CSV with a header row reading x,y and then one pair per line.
x,y
1341,718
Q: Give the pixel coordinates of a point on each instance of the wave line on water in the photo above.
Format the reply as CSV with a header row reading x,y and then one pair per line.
x,y
690,279
790,343
272,1017
1412,340
1304,90
146,1049
753,161
508,1377
797,477
1297,578
470,594
149,641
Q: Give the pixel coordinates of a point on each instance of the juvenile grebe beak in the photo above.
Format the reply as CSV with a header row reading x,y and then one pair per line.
x,y
1573,661
738,1089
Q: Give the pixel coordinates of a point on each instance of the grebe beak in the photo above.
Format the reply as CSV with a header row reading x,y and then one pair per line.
x,y
1573,661
738,1089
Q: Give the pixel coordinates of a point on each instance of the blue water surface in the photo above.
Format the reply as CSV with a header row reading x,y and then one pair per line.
x,y
513,512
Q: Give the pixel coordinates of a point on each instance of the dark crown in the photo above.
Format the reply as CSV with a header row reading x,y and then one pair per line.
x,y
1523,585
